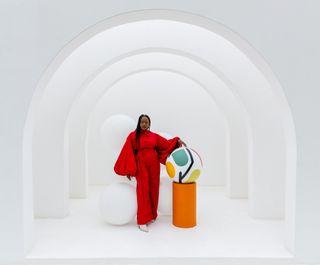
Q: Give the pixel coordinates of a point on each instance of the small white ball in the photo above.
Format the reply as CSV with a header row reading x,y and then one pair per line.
x,y
118,203
115,130
165,196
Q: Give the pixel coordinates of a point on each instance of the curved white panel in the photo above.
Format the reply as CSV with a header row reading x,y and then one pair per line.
x,y
210,83
175,104
268,111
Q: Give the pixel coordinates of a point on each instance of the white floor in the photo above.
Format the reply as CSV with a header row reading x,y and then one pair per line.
x,y
224,230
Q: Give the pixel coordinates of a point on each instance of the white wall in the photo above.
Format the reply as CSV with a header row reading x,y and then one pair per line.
x,y
284,32
89,67
17,82
173,103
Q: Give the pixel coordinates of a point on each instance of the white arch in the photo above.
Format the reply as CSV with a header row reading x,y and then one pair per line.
x,y
275,92
263,117
216,162
220,93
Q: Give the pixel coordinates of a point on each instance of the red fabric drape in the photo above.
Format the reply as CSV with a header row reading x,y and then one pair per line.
x,y
126,162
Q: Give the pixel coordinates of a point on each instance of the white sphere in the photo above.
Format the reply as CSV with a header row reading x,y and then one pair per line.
x,y
168,136
163,171
165,196
165,135
115,130
184,165
118,203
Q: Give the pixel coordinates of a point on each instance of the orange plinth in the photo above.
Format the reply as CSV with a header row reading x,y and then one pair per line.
x,y
184,204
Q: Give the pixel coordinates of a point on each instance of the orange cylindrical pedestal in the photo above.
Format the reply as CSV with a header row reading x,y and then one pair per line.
x,y
184,204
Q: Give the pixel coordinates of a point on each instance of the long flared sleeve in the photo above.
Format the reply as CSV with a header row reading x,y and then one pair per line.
x,y
126,162
165,147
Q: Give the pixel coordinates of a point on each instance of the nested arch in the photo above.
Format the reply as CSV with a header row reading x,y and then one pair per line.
x,y
181,119
172,61
268,97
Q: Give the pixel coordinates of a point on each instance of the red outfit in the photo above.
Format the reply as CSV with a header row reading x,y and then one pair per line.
x,y
143,162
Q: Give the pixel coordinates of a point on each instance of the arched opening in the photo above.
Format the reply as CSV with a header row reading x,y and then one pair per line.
x,y
256,104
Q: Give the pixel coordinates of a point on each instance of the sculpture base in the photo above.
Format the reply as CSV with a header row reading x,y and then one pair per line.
x,y
184,205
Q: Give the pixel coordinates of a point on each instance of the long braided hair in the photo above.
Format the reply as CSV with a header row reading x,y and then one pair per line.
x,y
138,129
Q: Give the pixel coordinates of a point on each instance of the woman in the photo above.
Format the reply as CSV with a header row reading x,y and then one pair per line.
x,y
140,157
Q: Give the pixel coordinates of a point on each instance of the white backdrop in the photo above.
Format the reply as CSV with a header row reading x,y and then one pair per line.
x,y
35,36
266,153
175,105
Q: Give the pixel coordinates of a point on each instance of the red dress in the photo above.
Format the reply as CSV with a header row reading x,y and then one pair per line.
x,y
143,162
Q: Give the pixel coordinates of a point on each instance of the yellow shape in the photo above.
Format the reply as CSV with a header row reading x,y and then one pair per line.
x,y
170,169
194,175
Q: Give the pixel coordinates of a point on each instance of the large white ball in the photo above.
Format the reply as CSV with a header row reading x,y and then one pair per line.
x,y
118,203
163,167
165,135
115,130
165,196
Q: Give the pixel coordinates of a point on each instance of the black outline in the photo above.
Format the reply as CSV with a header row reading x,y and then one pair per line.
x,y
191,164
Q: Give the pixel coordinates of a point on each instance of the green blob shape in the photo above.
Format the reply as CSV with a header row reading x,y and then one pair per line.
x,y
180,157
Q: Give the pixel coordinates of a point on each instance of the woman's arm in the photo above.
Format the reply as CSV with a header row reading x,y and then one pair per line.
x,y
165,147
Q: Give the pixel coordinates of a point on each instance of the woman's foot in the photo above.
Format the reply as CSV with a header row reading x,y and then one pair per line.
x,y
152,221
143,228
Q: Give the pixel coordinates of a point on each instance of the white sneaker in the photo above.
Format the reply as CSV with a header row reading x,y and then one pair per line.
x,y
143,228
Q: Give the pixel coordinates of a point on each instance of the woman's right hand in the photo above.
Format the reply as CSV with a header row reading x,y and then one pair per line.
x,y
129,177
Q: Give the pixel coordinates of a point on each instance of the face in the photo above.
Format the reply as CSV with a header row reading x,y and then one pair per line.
x,y
144,123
